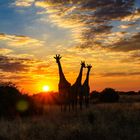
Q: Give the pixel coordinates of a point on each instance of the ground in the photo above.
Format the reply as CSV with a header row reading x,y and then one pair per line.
x,y
102,121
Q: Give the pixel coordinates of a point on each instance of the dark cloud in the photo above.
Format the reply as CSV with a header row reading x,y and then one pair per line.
x,y
114,10
97,30
95,18
8,64
106,12
129,44
94,22
14,65
90,35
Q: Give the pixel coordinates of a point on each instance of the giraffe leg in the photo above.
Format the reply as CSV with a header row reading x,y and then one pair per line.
x,y
73,105
69,107
76,105
61,108
80,103
65,105
87,101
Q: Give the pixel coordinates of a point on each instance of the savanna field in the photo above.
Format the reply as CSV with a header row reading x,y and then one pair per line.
x,y
101,121
69,69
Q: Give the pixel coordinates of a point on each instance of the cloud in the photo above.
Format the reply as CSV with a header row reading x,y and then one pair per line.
x,y
42,4
19,64
133,57
127,26
118,74
8,77
8,64
92,20
129,44
41,69
94,23
26,70
136,55
23,3
5,51
19,40
135,15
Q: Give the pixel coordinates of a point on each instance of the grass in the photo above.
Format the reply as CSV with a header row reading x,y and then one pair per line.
x,y
115,121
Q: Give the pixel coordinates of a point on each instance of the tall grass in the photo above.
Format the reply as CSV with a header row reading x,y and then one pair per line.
x,y
115,121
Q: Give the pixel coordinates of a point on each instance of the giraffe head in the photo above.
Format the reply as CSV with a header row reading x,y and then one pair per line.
x,y
89,66
83,64
57,57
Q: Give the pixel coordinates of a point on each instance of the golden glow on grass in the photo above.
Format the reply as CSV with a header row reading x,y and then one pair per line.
x,y
46,88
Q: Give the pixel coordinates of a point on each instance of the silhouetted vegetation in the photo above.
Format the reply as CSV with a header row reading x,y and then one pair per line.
x,y
109,95
46,119
128,93
95,96
14,103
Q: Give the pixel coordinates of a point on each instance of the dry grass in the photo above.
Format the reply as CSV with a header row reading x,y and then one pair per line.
x,y
116,121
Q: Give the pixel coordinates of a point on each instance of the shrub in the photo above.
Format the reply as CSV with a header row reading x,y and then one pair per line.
x,y
94,96
109,95
13,102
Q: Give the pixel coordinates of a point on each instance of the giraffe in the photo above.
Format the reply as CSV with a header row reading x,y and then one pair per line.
x,y
85,86
76,87
64,85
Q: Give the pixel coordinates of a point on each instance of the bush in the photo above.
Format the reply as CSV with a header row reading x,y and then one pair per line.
x,y
13,102
109,95
94,96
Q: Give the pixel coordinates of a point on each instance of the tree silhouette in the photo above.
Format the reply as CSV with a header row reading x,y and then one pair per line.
x,y
109,95
94,96
13,102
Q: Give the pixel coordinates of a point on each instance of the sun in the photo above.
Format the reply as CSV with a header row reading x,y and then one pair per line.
x,y
45,88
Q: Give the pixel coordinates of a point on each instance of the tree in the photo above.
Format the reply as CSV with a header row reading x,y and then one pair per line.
x,y
94,96
109,95
13,102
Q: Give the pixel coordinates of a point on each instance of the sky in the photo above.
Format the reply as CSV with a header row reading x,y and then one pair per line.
x,y
103,33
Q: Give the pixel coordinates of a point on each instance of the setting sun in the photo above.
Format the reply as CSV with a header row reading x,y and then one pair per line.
x,y
45,88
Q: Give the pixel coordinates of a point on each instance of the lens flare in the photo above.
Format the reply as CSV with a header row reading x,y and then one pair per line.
x,y
22,105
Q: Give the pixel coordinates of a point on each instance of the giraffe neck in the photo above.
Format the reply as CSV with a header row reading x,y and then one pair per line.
x,y
87,77
61,74
79,78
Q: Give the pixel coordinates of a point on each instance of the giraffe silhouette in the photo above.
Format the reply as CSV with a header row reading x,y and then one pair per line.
x,y
76,87
85,86
63,86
